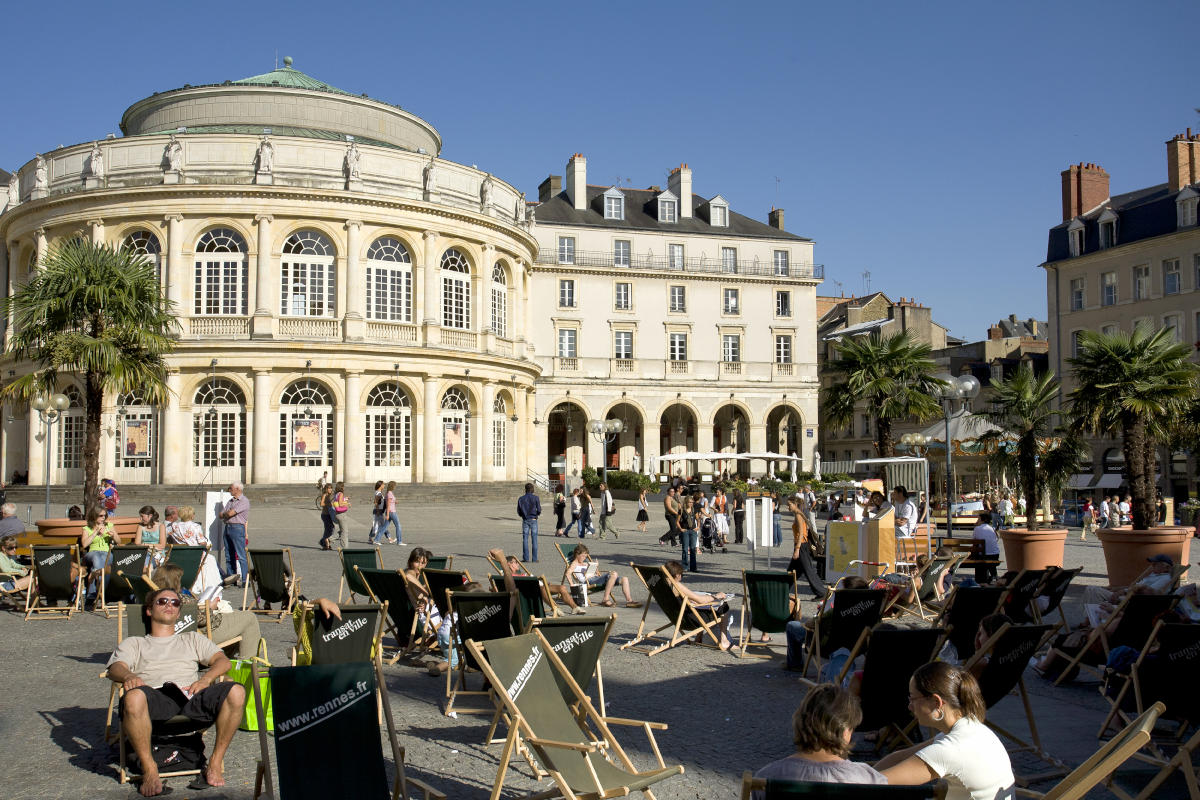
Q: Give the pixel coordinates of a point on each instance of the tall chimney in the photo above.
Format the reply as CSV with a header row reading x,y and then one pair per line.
x,y
775,218
995,332
1084,186
1183,160
680,182
577,182
549,188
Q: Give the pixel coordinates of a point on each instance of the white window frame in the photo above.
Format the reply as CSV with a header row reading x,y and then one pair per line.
x,y
677,298
219,425
566,292
456,291
718,214
668,209
677,346
1108,230
387,426
1174,321
1075,343
499,301
675,256
729,259
499,433
623,296
1171,268
1075,238
614,205
731,347
781,263
783,348
1078,290
731,293
221,274
783,313
566,250
456,410
622,353
622,253
308,276
389,281
1109,292
567,343
1141,282
1110,329
1186,208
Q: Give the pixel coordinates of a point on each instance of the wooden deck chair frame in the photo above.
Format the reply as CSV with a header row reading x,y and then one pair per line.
x,y
567,562
188,579
599,741
442,577
814,654
290,580
440,562
1054,589
456,678
495,565
928,602
983,608
376,635
1157,604
528,586
33,597
684,619
350,558
835,791
772,616
937,603
400,782
1024,588
415,641
122,565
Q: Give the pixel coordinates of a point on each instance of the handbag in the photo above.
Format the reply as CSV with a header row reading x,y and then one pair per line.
x,y
240,672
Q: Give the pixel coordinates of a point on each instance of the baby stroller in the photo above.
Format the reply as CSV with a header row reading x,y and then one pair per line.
x,y
709,540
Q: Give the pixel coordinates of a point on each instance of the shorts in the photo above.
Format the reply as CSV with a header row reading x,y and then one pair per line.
x,y
597,580
202,707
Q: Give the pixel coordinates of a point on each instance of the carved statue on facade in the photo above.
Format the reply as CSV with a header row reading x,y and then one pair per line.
x,y
96,161
431,175
816,466
173,154
352,156
14,191
520,211
266,154
40,181
485,193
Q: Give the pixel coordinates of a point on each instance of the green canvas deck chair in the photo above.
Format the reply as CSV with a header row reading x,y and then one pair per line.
x,y
189,558
391,586
365,557
778,789
766,606
439,581
1053,592
571,741
52,582
533,600
1137,615
1022,591
130,559
137,585
275,581
481,616
684,619
328,640
440,562
1008,652
855,611
498,567
1104,762
327,735
965,607
929,599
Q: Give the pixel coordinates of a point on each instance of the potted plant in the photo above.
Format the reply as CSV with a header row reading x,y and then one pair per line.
x,y
1026,445
1140,385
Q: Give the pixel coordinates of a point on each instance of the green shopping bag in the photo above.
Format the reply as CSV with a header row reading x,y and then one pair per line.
x,y
240,673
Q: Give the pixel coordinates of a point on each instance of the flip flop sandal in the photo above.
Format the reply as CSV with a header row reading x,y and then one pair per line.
x,y
633,604
608,604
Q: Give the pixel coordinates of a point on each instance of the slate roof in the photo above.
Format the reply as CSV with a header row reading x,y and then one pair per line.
x,y
1141,214
641,213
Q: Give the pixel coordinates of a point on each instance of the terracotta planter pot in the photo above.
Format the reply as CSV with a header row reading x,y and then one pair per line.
x,y
1025,549
67,531
1126,550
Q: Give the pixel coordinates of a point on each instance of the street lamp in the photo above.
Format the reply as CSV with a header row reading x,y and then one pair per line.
x,y
962,390
605,432
50,411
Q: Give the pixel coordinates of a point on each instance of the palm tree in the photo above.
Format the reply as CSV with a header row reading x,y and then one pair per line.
x,y
95,311
892,375
1138,384
1022,408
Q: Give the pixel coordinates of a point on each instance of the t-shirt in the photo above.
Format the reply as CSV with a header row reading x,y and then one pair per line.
x,y
909,512
11,526
797,768
166,659
987,533
972,760
1156,582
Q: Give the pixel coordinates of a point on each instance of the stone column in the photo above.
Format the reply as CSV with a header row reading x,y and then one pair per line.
x,y
486,415
354,469
651,443
173,439
536,457
36,462
516,300
8,290
758,444
431,440
704,440
266,449
174,267
41,247
432,290
97,230
354,322
339,441
266,299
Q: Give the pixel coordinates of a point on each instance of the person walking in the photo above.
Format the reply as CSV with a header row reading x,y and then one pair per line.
x,y
607,509
560,511
643,515
341,507
325,503
585,514
529,508
377,506
689,541
739,516
236,516
1087,518
575,506
389,500
671,509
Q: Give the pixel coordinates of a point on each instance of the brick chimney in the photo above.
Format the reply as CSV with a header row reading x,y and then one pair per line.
x,y
680,182
1183,160
995,332
1084,186
549,188
775,218
577,182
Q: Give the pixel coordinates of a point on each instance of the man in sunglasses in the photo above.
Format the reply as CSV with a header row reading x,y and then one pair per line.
x,y
160,673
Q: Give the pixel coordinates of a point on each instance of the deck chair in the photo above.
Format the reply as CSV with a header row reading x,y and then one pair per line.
x,y
137,585
766,606
498,567
391,586
343,740
440,562
1054,591
365,557
684,619
439,581
128,559
780,789
1008,652
855,611
1104,762
533,600
929,600
579,641
327,640
1138,613
565,551
572,741
892,656
275,581
481,616
189,558
1022,590
52,582
965,607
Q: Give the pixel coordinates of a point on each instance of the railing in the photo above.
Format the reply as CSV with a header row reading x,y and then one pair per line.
x,y
218,326
783,370
392,332
503,346
463,340
625,366
309,328
539,480
731,368
568,364
679,367
701,264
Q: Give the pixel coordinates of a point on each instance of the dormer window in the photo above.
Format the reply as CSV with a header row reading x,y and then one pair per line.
x,y
718,212
1075,238
1108,230
1185,208
614,204
668,207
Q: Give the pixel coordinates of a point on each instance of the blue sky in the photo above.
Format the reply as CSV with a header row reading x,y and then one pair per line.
x,y
918,141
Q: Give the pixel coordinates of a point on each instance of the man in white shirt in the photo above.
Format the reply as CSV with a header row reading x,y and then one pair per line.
x,y
1099,602
1126,517
906,512
984,532
607,509
1105,511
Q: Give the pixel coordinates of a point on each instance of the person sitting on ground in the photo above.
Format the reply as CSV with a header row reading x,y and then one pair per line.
x,y
226,625
161,678
19,575
964,751
576,574
799,630
98,539
714,601
561,594
821,730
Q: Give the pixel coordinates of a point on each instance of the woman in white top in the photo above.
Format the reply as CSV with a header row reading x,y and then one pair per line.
x,y
189,532
964,752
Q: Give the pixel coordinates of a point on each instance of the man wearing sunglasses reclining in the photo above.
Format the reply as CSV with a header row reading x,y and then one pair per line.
x,y
160,673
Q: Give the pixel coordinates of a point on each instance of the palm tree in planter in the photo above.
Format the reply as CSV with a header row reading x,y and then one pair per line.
x,y
94,311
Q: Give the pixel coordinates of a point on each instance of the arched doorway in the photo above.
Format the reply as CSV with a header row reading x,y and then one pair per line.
x,y
627,450
731,434
305,431
388,430
677,434
136,441
784,426
566,440
456,434
219,432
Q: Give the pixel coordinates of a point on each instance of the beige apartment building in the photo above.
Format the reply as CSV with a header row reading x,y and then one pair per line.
x,y
1115,262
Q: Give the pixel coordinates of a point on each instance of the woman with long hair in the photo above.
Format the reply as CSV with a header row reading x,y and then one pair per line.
x,y
341,507
560,511
389,510
325,501
585,513
643,515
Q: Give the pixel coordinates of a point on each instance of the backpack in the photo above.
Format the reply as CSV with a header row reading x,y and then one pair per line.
x,y
178,753
112,499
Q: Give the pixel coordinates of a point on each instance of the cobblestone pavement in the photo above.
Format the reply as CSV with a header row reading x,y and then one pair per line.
x,y
725,714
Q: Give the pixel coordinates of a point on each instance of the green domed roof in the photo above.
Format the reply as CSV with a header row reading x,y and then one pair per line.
x,y
291,78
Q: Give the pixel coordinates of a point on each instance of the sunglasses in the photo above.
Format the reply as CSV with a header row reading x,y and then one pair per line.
x,y
168,601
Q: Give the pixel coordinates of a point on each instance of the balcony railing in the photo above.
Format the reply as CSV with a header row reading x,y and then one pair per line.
x,y
624,366
679,367
391,332
731,368
783,370
694,264
309,328
568,364
218,326
463,340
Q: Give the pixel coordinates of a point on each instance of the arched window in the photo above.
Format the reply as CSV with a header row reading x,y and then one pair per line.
x,y
499,301
499,432
456,428
306,274
71,425
389,281
136,438
456,290
389,426
221,274
145,243
305,425
219,425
